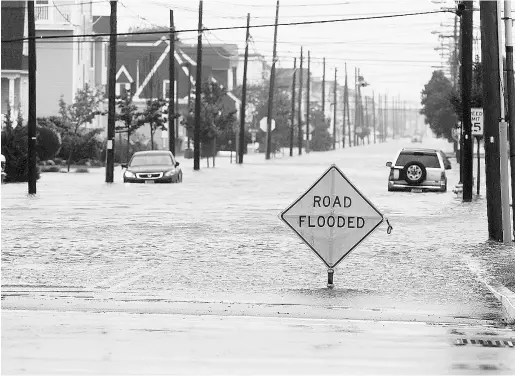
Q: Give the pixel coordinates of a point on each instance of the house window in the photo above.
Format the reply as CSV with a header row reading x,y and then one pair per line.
x,y
122,88
41,10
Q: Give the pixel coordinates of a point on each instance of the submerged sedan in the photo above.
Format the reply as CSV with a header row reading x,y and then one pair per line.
x,y
155,166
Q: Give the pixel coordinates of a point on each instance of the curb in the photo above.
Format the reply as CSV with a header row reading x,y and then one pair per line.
x,y
505,296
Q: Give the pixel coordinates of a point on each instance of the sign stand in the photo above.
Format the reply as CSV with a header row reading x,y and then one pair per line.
x,y
330,273
478,165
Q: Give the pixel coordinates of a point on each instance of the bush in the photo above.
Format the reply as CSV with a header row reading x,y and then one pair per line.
x,y
59,161
50,163
97,163
15,150
50,169
48,143
82,170
321,140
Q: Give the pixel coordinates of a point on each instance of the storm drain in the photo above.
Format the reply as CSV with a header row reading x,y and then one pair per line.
x,y
485,342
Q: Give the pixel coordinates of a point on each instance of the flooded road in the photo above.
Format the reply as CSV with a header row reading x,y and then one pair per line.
x,y
218,236
215,247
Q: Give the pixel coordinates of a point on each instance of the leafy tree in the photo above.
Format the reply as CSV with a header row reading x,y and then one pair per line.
x,y
257,105
215,118
129,116
15,149
437,105
153,116
321,139
476,99
75,117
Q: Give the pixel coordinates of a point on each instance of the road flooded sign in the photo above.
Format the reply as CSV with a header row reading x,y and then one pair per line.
x,y
332,217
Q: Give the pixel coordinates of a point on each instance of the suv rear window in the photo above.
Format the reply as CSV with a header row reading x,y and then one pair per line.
x,y
427,159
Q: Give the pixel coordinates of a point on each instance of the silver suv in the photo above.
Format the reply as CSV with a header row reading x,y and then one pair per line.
x,y
418,169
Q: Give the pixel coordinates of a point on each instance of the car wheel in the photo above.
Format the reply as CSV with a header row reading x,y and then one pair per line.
x,y
179,178
414,173
444,188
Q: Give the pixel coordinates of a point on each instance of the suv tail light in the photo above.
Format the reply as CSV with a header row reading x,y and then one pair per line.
x,y
442,175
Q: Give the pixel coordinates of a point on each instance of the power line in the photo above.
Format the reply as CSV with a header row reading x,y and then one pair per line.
x,y
231,27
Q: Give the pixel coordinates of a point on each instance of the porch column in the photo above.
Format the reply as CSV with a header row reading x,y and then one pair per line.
x,y
11,93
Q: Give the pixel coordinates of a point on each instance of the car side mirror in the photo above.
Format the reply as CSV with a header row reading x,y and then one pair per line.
x,y
388,164
124,165
177,164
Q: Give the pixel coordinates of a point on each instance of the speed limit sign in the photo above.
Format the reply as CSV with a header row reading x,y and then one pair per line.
x,y
477,121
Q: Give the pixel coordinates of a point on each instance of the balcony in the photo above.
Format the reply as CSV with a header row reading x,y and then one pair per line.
x,y
53,16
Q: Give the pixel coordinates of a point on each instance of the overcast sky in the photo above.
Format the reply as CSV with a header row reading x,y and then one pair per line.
x,y
396,55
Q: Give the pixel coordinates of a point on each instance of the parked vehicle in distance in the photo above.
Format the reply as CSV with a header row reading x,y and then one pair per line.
x,y
416,138
153,166
421,169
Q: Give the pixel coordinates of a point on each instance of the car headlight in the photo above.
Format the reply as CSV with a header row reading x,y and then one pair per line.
x,y
170,173
129,174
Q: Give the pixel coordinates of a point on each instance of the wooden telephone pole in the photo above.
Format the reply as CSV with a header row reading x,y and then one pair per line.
x,y
293,105
171,85
299,110
271,90
111,91
244,93
198,93
32,167
334,108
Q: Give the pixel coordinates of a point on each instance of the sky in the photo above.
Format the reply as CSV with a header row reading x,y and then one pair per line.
x,y
396,56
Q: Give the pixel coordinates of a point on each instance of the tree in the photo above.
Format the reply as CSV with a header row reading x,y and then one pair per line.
x,y
476,99
215,118
48,143
321,139
437,105
257,105
75,117
153,116
129,116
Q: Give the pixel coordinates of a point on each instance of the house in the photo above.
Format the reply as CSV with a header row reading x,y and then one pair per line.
x,y
257,69
14,61
65,65
142,66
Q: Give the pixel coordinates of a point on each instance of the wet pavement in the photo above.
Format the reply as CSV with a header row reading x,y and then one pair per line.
x,y
215,245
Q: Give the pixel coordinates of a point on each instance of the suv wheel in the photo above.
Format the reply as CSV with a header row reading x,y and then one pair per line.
x,y
414,172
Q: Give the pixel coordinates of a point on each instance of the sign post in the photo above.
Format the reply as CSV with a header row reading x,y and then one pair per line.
x,y
477,132
332,217
263,124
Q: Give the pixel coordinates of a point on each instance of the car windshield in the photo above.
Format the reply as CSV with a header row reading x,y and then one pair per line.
x,y
426,158
149,159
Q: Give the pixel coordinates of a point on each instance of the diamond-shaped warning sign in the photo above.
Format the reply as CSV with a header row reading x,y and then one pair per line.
x,y
332,217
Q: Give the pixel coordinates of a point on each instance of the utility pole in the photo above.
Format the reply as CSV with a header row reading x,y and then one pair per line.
x,y
334,109
347,106
307,101
356,107
510,91
271,90
177,107
491,110
323,87
503,139
374,115
293,105
299,110
171,85
244,92
455,61
344,108
111,92
198,93
32,167
385,115
466,92
189,101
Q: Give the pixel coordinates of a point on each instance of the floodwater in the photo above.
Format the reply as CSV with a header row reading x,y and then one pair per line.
x,y
217,238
